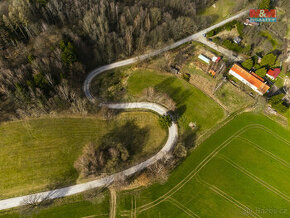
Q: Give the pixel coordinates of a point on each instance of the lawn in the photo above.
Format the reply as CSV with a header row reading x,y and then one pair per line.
x,y
222,8
192,104
230,96
233,97
39,154
242,169
269,37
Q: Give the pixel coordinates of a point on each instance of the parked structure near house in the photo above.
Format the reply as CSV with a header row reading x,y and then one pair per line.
x,y
216,59
237,40
204,58
249,79
212,72
174,69
273,74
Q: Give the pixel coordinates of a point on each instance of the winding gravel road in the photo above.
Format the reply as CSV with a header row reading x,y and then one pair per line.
x,y
172,136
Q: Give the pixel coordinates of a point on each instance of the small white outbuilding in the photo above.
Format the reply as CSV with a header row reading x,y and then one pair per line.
x,y
204,58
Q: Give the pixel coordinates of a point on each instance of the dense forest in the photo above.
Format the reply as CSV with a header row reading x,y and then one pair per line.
x,y
48,46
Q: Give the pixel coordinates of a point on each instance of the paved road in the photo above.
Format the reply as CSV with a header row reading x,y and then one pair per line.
x,y
172,136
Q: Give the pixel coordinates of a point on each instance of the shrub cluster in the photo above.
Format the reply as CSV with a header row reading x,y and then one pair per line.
x,y
165,121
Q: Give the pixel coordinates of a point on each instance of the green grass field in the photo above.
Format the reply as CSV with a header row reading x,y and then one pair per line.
x,y
70,207
241,170
192,104
221,8
39,154
233,97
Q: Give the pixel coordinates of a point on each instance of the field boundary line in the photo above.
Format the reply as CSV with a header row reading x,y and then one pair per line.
x,y
113,202
213,153
257,179
197,169
181,207
255,145
135,207
105,214
132,207
227,197
273,133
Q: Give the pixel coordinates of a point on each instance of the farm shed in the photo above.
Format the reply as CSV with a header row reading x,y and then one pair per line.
x,y
248,79
204,58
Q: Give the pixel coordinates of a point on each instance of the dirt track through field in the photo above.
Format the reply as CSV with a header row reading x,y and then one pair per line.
x,y
226,196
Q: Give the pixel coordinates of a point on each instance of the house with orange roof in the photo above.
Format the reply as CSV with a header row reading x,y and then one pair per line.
x,y
252,80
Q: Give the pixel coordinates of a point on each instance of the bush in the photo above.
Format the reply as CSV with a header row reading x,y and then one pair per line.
x,y
261,72
232,46
186,77
277,103
180,151
257,66
268,60
210,33
30,58
265,4
248,64
68,54
151,94
247,49
165,121
229,26
240,28
114,150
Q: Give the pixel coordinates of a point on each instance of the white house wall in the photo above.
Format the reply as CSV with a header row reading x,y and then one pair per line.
x,y
245,82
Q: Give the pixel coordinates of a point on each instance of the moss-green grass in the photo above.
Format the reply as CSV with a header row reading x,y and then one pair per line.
x,y
192,104
229,95
39,154
69,207
190,184
223,9
233,97
271,39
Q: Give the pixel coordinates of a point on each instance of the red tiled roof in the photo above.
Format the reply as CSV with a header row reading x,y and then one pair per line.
x,y
262,87
274,73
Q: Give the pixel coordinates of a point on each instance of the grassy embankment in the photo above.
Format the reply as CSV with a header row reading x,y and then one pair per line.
x,y
39,154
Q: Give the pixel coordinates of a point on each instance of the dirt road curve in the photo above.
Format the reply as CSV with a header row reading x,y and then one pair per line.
x,y
172,136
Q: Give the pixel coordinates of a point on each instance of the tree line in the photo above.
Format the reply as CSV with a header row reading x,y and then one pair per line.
x,y
47,46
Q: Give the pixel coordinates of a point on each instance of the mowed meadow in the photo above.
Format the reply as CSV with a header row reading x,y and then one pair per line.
x,y
241,170
39,154
192,104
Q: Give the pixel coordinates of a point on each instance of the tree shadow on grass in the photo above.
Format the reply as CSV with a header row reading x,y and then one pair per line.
x,y
178,94
130,135
179,111
188,138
